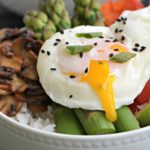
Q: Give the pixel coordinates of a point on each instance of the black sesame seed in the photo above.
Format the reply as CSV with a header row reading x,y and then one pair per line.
x,y
13,108
81,55
70,96
42,51
72,76
137,45
118,20
62,32
135,49
58,40
100,62
125,19
120,30
86,70
116,49
95,44
48,53
122,38
111,54
142,48
116,30
101,37
107,41
124,22
53,69
122,18
67,43
115,40
55,44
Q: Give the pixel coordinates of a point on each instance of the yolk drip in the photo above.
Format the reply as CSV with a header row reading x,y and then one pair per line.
x,y
100,80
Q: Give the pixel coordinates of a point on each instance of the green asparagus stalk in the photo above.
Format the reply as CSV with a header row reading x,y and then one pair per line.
x,y
82,2
94,122
66,121
56,11
143,116
87,13
126,120
40,24
76,21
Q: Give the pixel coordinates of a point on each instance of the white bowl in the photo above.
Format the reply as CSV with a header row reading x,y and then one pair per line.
x,y
15,136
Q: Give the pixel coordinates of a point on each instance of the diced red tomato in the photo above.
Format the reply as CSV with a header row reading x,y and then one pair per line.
x,y
134,107
112,10
144,97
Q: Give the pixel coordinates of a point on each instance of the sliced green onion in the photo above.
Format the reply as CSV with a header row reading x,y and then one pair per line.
x,y
78,49
122,57
89,35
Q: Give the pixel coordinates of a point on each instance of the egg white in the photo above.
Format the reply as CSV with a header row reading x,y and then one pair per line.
x,y
130,78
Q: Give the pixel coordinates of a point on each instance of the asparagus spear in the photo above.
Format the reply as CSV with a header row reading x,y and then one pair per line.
x,y
87,12
143,116
126,120
66,121
94,122
40,24
57,12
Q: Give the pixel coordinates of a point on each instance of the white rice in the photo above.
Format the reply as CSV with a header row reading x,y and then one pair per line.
x,y
42,121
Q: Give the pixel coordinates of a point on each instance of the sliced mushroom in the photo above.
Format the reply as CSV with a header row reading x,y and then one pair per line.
x,y
6,80
13,62
18,85
11,34
19,82
6,72
18,47
34,85
37,108
24,32
37,92
10,106
8,52
5,87
4,92
40,97
6,33
33,45
20,97
5,44
35,100
29,58
30,73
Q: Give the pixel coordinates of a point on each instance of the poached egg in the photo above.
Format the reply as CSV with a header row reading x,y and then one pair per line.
x,y
89,80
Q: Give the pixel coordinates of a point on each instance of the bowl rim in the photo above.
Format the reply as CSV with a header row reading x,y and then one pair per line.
x,y
72,137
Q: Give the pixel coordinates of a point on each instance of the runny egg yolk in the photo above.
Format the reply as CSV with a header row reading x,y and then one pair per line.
x,y
99,76
100,80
